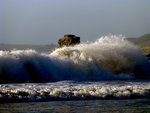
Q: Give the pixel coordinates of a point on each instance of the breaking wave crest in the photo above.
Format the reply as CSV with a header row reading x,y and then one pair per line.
x,y
69,90
109,57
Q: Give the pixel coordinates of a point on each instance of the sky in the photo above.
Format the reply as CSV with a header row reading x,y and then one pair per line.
x,y
45,21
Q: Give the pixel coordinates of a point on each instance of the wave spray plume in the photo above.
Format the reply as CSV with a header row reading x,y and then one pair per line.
x,y
109,57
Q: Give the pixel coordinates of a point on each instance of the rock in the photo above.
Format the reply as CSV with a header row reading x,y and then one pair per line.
x,y
68,40
148,56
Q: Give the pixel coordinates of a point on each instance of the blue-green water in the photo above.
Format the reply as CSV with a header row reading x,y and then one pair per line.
x,y
82,106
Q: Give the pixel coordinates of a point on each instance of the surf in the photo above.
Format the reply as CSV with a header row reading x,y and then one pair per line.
x,y
108,58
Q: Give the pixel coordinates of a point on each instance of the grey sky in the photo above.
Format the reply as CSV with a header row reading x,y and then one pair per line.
x,y
44,21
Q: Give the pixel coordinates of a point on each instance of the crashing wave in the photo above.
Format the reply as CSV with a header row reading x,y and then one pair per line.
x,y
110,57
113,53
69,90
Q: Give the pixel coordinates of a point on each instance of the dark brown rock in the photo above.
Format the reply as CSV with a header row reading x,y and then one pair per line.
x,y
68,40
148,56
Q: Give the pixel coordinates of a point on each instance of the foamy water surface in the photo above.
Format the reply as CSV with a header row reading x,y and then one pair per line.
x,y
70,90
110,67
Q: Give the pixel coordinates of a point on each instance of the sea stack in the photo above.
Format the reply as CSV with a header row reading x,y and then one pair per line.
x,y
68,40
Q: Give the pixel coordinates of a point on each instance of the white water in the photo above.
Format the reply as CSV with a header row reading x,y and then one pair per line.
x,y
110,57
69,90
86,65
113,53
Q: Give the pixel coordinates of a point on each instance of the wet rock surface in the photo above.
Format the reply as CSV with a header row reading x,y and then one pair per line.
x,y
68,40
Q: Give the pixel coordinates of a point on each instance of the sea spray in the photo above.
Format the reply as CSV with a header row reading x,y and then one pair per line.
x,y
109,57
114,54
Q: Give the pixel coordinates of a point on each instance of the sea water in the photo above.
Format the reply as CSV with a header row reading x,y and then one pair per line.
x,y
105,75
79,106
69,96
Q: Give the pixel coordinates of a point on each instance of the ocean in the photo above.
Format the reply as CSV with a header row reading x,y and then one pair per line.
x,y
79,106
108,75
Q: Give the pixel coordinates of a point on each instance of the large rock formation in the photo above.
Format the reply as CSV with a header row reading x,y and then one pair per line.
x,y
68,40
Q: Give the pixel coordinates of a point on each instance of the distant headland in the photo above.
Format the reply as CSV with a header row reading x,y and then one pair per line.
x,y
143,42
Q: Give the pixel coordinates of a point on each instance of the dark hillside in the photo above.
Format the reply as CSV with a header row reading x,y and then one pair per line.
x,y
142,41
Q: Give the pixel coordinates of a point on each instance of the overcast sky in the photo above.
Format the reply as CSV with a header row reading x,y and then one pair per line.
x,y
45,21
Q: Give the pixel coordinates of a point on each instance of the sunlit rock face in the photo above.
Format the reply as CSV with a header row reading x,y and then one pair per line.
x,y
68,40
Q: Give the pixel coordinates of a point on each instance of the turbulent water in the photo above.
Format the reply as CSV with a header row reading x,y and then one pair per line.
x,y
78,72
69,90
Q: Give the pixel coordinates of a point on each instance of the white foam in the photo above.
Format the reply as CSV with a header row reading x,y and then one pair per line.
x,y
114,54
69,90
110,57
